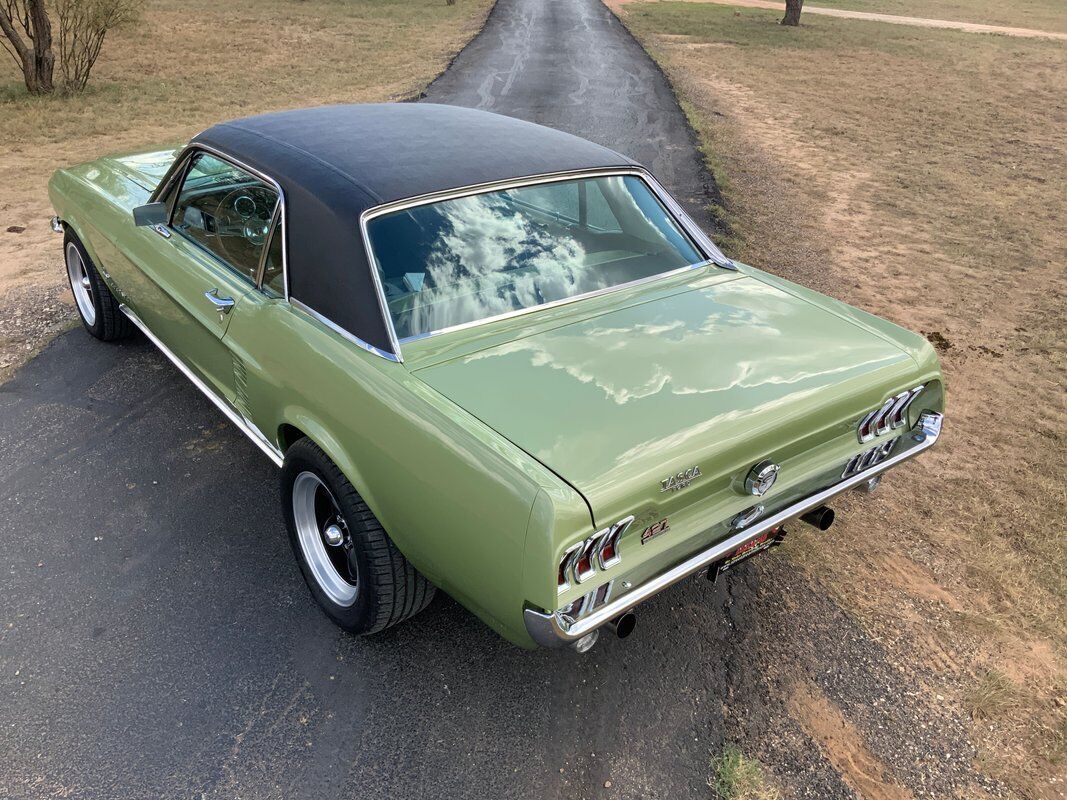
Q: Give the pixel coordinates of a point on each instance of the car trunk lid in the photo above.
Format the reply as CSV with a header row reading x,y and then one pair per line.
x,y
618,403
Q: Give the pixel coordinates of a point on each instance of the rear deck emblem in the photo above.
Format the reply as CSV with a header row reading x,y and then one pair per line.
x,y
680,481
654,530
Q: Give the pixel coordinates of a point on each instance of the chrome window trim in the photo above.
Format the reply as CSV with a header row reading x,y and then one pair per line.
x,y
333,326
548,630
232,414
261,270
176,174
699,240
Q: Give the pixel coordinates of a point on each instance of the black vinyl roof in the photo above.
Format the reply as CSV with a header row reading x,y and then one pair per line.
x,y
335,162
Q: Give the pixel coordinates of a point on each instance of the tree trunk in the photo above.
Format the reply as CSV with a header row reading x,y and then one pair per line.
x,y
43,59
792,12
36,57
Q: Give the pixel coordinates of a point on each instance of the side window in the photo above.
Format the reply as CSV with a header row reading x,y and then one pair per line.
x,y
273,275
226,211
559,200
598,212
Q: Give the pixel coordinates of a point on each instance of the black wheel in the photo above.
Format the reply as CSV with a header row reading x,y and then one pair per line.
x,y
97,307
354,570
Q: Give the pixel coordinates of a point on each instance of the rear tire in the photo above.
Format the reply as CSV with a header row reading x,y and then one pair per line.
x,y
355,572
97,307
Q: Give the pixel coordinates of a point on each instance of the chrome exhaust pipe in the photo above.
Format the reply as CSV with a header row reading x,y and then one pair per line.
x,y
821,517
624,624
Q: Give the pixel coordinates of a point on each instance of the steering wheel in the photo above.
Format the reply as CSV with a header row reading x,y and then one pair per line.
x,y
245,213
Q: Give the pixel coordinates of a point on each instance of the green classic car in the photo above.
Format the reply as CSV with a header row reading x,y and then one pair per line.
x,y
489,357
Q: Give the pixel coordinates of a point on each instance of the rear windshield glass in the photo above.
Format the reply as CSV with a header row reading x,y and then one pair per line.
x,y
473,258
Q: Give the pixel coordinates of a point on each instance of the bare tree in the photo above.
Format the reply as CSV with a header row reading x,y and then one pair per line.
x,y
792,12
83,24
28,39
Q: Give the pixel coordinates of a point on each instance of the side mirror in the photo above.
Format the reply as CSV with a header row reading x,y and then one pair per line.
x,y
150,214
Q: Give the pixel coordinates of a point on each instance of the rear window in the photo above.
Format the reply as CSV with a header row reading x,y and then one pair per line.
x,y
477,257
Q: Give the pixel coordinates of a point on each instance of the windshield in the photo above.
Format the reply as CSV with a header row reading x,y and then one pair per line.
x,y
472,258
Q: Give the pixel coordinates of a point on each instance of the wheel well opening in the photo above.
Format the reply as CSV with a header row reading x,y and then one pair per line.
x,y
288,435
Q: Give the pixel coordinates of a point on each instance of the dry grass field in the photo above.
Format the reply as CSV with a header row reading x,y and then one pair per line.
x,y
184,66
921,175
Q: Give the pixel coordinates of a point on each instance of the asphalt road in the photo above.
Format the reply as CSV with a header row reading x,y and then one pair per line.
x,y
157,640
571,65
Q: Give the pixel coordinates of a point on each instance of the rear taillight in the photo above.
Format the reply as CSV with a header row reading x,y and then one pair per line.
x,y
583,560
608,550
567,566
583,567
892,414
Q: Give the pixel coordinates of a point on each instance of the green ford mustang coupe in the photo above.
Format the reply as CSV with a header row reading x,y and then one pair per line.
x,y
490,357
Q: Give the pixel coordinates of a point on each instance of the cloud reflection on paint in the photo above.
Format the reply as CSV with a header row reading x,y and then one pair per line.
x,y
485,255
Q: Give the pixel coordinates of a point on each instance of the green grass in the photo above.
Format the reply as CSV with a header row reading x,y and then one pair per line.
x,y
738,777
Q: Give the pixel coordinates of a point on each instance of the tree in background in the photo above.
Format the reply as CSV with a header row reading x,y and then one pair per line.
x,y
82,26
792,12
28,38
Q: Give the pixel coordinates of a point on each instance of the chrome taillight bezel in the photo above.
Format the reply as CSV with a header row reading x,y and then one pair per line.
x,y
583,560
868,458
891,415
587,603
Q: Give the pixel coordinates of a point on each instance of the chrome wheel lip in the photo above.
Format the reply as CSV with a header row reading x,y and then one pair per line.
x,y
310,531
80,284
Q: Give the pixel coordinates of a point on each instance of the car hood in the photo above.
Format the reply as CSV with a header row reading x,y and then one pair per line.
x,y
715,377
146,169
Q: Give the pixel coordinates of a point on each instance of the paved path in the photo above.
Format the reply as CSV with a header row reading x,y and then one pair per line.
x,y
156,639
895,19
571,64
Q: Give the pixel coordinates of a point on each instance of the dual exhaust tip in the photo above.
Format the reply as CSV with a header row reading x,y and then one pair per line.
x,y
623,625
821,518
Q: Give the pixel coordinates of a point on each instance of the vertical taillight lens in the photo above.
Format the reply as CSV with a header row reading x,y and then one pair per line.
x,y
566,567
608,552
598,552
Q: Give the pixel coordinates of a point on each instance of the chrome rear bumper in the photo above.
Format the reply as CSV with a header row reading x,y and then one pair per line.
x,y
550,630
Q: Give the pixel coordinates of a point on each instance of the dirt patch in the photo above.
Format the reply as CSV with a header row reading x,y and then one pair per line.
x,y
30,317
843,745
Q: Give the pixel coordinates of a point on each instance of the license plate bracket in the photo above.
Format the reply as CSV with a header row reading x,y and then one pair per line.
x,y
758,544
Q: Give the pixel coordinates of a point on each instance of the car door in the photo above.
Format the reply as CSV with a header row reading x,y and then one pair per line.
x,y
203,264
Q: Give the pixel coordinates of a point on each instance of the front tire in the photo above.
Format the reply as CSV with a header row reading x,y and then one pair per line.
x,y
97,307
355,572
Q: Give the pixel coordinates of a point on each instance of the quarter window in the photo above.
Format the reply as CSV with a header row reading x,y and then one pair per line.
x,y
227,211
273,273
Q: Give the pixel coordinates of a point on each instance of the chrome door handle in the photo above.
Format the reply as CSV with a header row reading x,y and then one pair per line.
x,y
162,231
222,304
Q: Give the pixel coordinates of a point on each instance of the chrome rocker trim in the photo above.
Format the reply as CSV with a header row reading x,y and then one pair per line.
x,y
548,630
246,427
